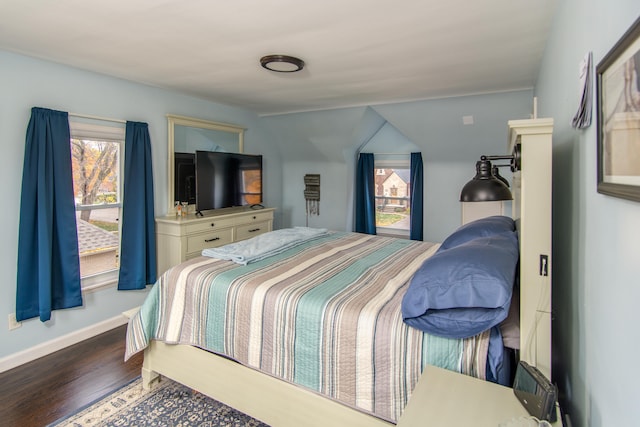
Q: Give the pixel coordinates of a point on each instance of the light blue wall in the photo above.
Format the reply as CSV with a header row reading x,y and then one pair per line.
x,y
27,82
596,238
324,142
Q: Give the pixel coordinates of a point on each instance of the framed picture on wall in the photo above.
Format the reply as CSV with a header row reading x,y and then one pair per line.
x,y
618,89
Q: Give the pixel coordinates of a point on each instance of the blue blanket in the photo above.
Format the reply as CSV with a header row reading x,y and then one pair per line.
x,y
264,245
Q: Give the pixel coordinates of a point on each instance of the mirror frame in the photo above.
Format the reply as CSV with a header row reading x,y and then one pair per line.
x,y
175,120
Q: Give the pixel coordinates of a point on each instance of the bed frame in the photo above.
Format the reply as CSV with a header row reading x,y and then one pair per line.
x,y
279,403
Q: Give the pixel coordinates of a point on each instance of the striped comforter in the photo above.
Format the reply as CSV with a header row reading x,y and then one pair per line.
x,y
324,315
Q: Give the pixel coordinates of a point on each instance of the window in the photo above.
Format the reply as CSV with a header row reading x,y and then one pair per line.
x,y
96,154
393,197
252,186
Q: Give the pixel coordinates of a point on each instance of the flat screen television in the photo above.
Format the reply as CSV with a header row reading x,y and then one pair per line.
x,y
225,180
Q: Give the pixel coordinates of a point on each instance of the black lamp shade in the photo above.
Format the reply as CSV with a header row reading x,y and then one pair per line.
x,y
485,187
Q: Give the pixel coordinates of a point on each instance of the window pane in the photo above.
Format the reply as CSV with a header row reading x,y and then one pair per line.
x,y
99,241
96,184
95,172
393,198
252,186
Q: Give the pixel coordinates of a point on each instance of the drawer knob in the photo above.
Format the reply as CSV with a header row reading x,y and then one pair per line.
x,y
253,230
211,240
254,217
213,224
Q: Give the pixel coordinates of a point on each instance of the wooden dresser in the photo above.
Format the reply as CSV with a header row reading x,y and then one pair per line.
x,y
179,239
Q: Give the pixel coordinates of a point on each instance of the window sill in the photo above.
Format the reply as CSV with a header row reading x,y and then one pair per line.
x,y
99,281
392,232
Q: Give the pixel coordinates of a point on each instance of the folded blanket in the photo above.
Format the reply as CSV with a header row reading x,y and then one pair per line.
x,y
264,245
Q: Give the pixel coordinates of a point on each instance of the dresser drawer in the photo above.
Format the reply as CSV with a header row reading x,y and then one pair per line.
x,y
213,239
250,230
255,217
209,225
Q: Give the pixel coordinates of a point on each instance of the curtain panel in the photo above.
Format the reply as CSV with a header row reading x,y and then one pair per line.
x,y
365,221
138,245
415,230
48,262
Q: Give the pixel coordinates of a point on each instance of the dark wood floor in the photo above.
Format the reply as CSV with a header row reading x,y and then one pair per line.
x,y
40,392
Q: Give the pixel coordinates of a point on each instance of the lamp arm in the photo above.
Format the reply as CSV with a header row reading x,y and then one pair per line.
x,y
514,158
505,157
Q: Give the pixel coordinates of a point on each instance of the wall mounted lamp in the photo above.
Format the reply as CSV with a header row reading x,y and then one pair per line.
x,y
282,63
488,185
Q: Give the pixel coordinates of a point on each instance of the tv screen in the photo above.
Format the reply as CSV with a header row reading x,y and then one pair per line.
x,y
225,180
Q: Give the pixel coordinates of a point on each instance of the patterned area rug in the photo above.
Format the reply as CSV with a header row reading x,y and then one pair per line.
x,y
167,404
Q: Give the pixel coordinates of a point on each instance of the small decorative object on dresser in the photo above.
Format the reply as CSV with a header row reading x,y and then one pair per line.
x,y
185,237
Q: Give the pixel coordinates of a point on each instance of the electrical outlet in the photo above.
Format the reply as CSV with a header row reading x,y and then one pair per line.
x,y
544,265
13,323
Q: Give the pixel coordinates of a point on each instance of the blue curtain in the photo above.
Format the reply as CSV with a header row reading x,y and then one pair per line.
x,y
48,263
138,245
365,221
415,231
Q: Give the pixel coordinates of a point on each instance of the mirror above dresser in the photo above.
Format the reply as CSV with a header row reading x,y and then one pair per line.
x,y
188,134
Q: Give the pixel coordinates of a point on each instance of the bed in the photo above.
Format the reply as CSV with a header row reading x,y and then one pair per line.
x,y
207,324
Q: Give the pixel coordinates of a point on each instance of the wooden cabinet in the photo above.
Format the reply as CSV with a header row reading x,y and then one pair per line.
x,y
179,239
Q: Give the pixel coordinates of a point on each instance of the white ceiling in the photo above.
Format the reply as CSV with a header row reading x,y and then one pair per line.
x,y
357,52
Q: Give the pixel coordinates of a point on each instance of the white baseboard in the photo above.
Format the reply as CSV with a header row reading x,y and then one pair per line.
x,y
36,352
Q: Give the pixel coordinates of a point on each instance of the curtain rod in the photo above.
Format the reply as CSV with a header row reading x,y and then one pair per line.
x,y
105,119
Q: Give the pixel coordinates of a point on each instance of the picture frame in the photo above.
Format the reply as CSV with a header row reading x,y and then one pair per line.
x,y
618,115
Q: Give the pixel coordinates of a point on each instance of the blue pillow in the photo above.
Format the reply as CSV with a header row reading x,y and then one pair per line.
x,y
482,227
462,291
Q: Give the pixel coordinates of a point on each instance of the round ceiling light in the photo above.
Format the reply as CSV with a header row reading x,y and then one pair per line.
x,y
282,63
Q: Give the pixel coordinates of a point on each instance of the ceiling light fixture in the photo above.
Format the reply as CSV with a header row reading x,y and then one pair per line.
x,y
282,63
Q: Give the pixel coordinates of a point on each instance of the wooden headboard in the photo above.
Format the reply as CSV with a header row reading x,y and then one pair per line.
x,y
532,212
